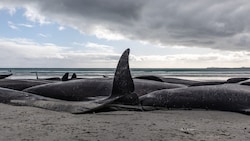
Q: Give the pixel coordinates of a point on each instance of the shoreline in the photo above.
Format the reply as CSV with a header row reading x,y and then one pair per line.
x,y
29,123
183,73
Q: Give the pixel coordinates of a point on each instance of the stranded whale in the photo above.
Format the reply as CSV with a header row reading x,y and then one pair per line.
x,y
123,87
21,84
226,97
168,80
81,89
2,76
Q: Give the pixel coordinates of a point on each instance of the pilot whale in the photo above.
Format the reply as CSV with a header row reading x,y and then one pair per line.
x,y
225,97
122,87
168,80
2,76
21,84
81,89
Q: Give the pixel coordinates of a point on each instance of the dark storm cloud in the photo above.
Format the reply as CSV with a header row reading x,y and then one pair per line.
x,y
216,24
106,10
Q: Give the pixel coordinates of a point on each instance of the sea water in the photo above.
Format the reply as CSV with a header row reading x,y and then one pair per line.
x,y
184,73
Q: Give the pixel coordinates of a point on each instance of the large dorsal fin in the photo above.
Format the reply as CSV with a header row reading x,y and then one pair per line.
x,y
123,83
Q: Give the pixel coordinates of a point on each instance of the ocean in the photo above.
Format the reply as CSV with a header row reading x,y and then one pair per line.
x,y
185,73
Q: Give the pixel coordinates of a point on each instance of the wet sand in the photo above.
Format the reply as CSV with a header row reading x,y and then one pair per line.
x,y
28,123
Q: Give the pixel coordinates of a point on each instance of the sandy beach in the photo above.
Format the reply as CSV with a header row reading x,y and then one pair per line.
x,y
29,123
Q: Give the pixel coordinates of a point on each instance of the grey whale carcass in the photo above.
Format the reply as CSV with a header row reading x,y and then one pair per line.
x,y
82,89
226,97
21,84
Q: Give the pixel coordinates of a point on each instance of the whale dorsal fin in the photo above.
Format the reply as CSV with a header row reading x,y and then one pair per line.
x,y
123,83
65,77
74,76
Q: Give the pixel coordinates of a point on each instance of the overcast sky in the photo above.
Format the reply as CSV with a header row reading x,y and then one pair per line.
x,y
94,33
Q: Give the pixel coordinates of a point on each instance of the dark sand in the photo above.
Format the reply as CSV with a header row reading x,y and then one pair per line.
x,y
28,123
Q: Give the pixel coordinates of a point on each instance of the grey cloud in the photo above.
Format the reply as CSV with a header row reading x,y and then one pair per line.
x,y
215,24
108,9
27,53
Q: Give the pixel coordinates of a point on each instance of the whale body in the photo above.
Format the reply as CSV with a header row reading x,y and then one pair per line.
x,y
226,97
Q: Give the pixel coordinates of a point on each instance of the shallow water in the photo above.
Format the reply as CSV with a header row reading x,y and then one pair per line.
x,y
192,74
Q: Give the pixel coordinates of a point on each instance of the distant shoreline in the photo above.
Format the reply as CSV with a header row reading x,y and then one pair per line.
x,y
44,68
184,73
